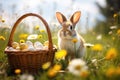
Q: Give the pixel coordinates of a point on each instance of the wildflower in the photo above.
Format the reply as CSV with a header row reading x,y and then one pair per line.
x,y
110,72
60,54
76,66
23,36
46,65
37,27
118,32
115,15
42,30
22,41
97,47
3,20
2,38
39,36
111,54
84,73
32,37
26,77
57,67
118,70
88,45
95,62
17,71
99,37
110,32
113,38
113,27
53,71
74,40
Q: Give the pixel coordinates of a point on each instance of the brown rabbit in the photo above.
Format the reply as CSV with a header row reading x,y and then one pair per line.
x,y
68,33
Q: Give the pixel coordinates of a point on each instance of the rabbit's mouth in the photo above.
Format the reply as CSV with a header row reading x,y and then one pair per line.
x,y
65,35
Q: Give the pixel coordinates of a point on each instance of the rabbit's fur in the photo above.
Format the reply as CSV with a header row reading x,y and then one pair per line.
x,y
68,33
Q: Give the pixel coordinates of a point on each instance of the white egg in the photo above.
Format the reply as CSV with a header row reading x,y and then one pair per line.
x,y
11,49
31,48
38,45
29,43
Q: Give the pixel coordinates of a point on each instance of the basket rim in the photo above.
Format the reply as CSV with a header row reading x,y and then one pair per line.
x,y
25,51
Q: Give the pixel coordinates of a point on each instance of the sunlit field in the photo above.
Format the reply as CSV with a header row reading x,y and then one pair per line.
x,y
100,62
33,53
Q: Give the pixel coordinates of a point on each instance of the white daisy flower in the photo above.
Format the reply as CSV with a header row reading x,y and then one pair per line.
x,y
26,77
32,37
76,66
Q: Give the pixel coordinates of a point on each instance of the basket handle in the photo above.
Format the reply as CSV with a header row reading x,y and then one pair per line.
x,y
24,16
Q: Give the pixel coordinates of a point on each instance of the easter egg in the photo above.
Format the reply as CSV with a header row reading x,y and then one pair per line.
x,y
31,48
23,46
29,43
15,45
46,43
38,45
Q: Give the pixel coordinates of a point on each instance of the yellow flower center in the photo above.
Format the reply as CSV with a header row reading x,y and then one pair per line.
x,y
74,40
78,67
17,71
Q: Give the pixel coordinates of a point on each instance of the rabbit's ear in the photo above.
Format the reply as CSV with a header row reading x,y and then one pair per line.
x,y
61,18
75,17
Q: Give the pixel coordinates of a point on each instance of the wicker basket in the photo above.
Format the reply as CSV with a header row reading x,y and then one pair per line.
x,y
30,61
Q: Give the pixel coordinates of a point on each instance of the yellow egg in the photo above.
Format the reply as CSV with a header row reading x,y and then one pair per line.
x,y
23,46
46,43
15,45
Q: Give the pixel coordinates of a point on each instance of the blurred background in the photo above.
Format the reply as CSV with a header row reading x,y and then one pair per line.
x,y
97,15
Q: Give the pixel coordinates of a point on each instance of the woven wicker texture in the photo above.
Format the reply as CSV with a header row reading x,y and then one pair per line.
x,y
30,61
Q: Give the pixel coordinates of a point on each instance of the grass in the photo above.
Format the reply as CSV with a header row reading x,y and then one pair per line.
x,y
99,68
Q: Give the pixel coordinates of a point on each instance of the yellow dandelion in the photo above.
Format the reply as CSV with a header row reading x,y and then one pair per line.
x,y
113,38
37,27
115,15
110,72
52,73
60,54
84,73
46,65
23,36
118,32
74,40
54,70
2,38
42,30
118,70
97,47
3,20
39,36
111,54
57,67
17,71
22,41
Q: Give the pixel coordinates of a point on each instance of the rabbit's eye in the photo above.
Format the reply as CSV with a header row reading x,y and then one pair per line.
x,y
71,28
